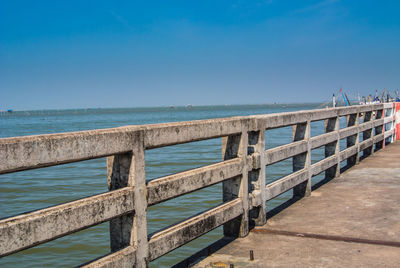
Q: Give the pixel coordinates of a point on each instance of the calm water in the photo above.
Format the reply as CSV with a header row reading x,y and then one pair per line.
x,y
35,189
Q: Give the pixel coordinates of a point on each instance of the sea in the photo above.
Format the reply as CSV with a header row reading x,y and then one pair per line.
x,y
31,190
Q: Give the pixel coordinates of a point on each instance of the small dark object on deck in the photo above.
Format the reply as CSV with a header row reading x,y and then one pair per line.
x,y
231,265
187,264
251,255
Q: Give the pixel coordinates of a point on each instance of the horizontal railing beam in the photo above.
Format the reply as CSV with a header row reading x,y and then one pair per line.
x,y
323,165
285,151
342,111
347,132
388,105
181,233
168,187
365,144
348,152
378,138
378,122
278,120
125,257
371,107
323,139
182,132
38,151
365,126
286,183
388,119
27,230
291,118
322,114
389,133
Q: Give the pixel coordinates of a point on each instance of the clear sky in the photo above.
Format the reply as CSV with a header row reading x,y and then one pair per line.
x,y
89,54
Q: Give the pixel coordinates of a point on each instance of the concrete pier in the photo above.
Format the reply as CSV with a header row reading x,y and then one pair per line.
x,y
351,221
361,207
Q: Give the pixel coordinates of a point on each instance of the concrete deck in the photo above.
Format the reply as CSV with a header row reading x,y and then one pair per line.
x,y
351,221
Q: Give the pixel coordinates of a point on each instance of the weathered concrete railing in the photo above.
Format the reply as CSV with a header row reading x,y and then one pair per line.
x,y
242,172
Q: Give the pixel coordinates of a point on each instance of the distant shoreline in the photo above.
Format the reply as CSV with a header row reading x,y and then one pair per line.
x,y
292,104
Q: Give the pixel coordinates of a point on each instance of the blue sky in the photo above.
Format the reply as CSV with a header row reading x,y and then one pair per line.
x,y
88,54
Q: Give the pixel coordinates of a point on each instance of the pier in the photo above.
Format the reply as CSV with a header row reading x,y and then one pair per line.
x,y
356,207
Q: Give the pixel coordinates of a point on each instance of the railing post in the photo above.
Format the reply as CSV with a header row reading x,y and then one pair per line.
x,y
118,167
302,132
379,129
390,140
367,134
128,170
236,146
396,118
333,148
393,124
257,176
387,112
352,120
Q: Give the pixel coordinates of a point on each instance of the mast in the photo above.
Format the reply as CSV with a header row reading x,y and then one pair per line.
x,y
346,102
333,101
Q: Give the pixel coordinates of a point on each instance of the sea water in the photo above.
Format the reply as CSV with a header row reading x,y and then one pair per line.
x,y
40,188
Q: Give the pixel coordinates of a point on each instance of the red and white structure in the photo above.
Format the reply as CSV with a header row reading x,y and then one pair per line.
x,y
397,119
391,127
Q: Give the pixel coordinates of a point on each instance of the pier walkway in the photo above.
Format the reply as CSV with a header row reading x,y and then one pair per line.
x,y
351,221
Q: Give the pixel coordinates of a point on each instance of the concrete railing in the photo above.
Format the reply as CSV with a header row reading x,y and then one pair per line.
x,y
242,173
